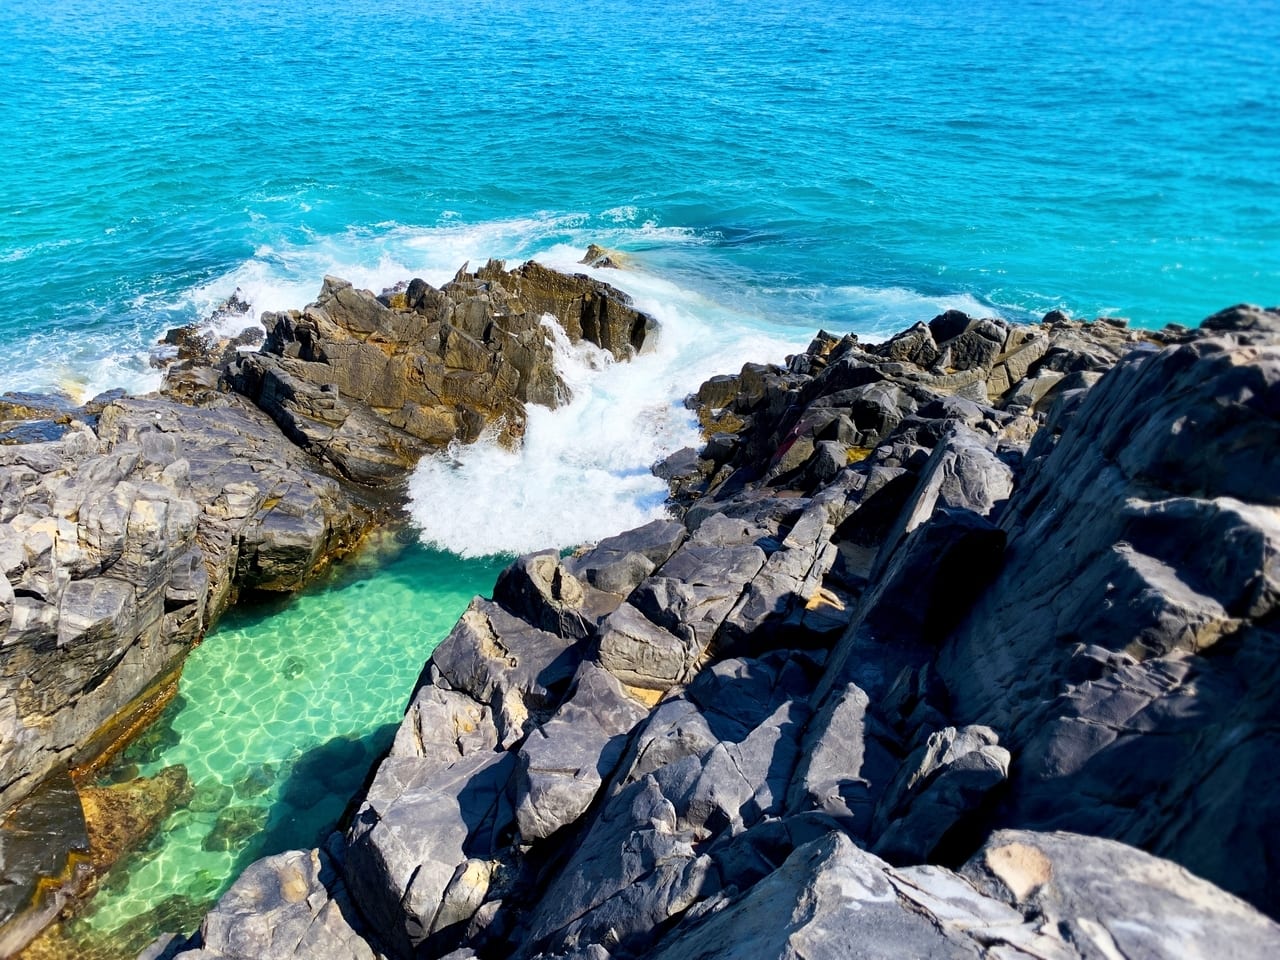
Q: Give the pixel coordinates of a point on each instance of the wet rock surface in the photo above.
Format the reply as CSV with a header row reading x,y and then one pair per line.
x,y
961,647
45,844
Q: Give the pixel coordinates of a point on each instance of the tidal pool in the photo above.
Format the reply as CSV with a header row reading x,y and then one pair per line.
x,y
279,714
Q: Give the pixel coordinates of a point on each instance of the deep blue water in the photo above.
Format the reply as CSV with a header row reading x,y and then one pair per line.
x,y
797,163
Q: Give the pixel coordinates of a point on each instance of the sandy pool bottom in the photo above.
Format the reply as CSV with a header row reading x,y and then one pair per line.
x,y
279,714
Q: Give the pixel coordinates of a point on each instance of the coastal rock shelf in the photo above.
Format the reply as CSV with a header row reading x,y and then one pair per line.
x,y
128,525
122,540
120,543
962,646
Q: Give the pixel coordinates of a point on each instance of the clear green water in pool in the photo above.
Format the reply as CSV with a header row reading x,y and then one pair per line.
x,y
279,714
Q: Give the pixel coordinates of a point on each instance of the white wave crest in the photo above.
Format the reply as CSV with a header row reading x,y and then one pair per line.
x,y
582,472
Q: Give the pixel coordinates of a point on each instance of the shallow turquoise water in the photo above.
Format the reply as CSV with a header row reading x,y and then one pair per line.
x,y
279,715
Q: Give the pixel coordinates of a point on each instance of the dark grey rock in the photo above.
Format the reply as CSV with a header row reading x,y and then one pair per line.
x,y
1108,899
847,759
1242,318
925,588
976,347
440,727
618,564
565,761
642,654
1049,896
520,671
876,409
709,764
694,591
937,786
420,846
915,345
539,589
635,838
675,729
291,905
771,610
1090,683
962,473
832,900
949,325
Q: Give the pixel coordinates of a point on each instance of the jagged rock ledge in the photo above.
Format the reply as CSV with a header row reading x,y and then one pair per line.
x,y
128,525
957,651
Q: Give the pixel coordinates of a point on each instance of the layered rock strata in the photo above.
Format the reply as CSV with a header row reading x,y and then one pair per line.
x,y
129,524
942,622
120,542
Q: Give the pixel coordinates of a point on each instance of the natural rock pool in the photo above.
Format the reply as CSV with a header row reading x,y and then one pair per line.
x,y
279,714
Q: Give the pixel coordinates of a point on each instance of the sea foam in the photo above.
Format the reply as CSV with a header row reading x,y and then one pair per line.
x,y
583,470
711,322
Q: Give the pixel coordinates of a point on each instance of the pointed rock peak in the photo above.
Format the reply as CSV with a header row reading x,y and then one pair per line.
x,y
333,286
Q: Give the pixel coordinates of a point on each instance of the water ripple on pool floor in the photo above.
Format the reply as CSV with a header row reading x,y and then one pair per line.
x,y
280,713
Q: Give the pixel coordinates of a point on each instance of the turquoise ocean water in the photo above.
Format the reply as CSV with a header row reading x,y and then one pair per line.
x,y
768,167
802,162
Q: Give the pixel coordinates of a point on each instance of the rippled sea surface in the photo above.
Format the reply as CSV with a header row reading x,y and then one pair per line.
x,y
767,168
802,162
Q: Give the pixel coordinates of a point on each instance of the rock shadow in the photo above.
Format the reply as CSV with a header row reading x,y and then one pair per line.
x,y
316,794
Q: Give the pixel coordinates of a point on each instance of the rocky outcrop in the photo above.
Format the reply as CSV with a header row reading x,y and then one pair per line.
x,y
1055,896
121,544
369,384
945,620
292,905
128,525
1132,684
203,344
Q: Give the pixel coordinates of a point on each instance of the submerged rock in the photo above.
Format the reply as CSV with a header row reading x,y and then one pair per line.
x,y
210,797
121,816
234,826
44,861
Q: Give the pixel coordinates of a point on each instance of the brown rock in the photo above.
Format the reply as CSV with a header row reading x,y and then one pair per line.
x,y
371,384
